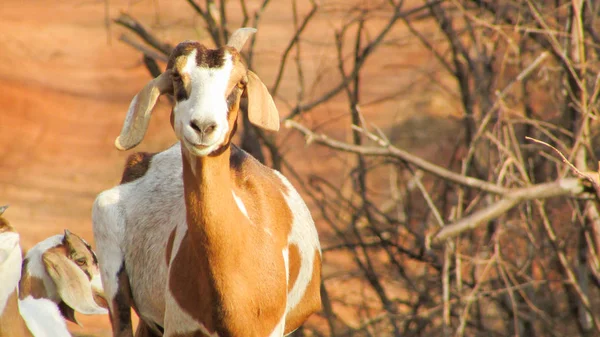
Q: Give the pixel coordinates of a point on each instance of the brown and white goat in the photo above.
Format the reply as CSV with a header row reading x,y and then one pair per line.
x,y
57,277
241,252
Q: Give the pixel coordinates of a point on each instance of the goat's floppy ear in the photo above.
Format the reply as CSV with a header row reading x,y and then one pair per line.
x,y
72,284
140,110
262,111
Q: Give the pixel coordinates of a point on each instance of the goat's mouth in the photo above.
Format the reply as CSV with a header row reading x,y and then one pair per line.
x,y
198,149
201,146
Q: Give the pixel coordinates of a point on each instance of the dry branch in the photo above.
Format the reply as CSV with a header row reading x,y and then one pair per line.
x,y
562,187
132,24
389,150
145,50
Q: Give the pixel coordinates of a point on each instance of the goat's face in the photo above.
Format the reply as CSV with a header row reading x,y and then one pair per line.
x,y
81,254
207,85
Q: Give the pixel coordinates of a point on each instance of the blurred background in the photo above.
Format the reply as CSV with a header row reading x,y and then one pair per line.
x,y
404,128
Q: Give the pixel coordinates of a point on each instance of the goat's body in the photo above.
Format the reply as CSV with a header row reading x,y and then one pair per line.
x,y
145,218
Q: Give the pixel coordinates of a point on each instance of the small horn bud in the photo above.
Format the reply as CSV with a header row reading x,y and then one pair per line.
x,y
239,37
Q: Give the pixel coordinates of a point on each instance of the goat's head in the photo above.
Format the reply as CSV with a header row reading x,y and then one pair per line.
x,y
207,85
64,269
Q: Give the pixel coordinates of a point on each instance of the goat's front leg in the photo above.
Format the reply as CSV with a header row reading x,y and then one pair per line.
x,y
109,227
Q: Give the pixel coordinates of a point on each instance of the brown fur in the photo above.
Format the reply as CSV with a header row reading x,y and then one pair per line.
x,y
5,226
310,302
191,334
221,280
11,322
30,285
295,262
209,58
189,287
122,301
235,292
136,166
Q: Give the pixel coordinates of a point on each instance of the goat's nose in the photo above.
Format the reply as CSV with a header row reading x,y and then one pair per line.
x,y
205,128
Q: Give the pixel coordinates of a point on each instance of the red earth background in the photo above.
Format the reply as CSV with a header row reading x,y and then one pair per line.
x,y
66,82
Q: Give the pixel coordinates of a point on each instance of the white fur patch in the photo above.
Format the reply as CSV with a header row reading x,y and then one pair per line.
x,y
206,105
280,327
286,262
96,283
43,318
10,266
109,231
240,204
305,236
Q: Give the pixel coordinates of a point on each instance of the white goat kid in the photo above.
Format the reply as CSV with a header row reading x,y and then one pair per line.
x,y
233,241
57,277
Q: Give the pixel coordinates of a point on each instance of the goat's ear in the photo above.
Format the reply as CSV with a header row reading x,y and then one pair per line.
x,y
262,111
140,110
72,284
3,208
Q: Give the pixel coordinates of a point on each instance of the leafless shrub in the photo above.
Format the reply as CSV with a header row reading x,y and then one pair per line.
x,y
475,230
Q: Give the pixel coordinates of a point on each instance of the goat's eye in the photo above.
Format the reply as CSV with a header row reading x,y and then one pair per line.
x,y
80,262
176,77
241,84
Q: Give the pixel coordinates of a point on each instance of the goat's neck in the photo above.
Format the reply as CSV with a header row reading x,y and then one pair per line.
x,y
212,216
